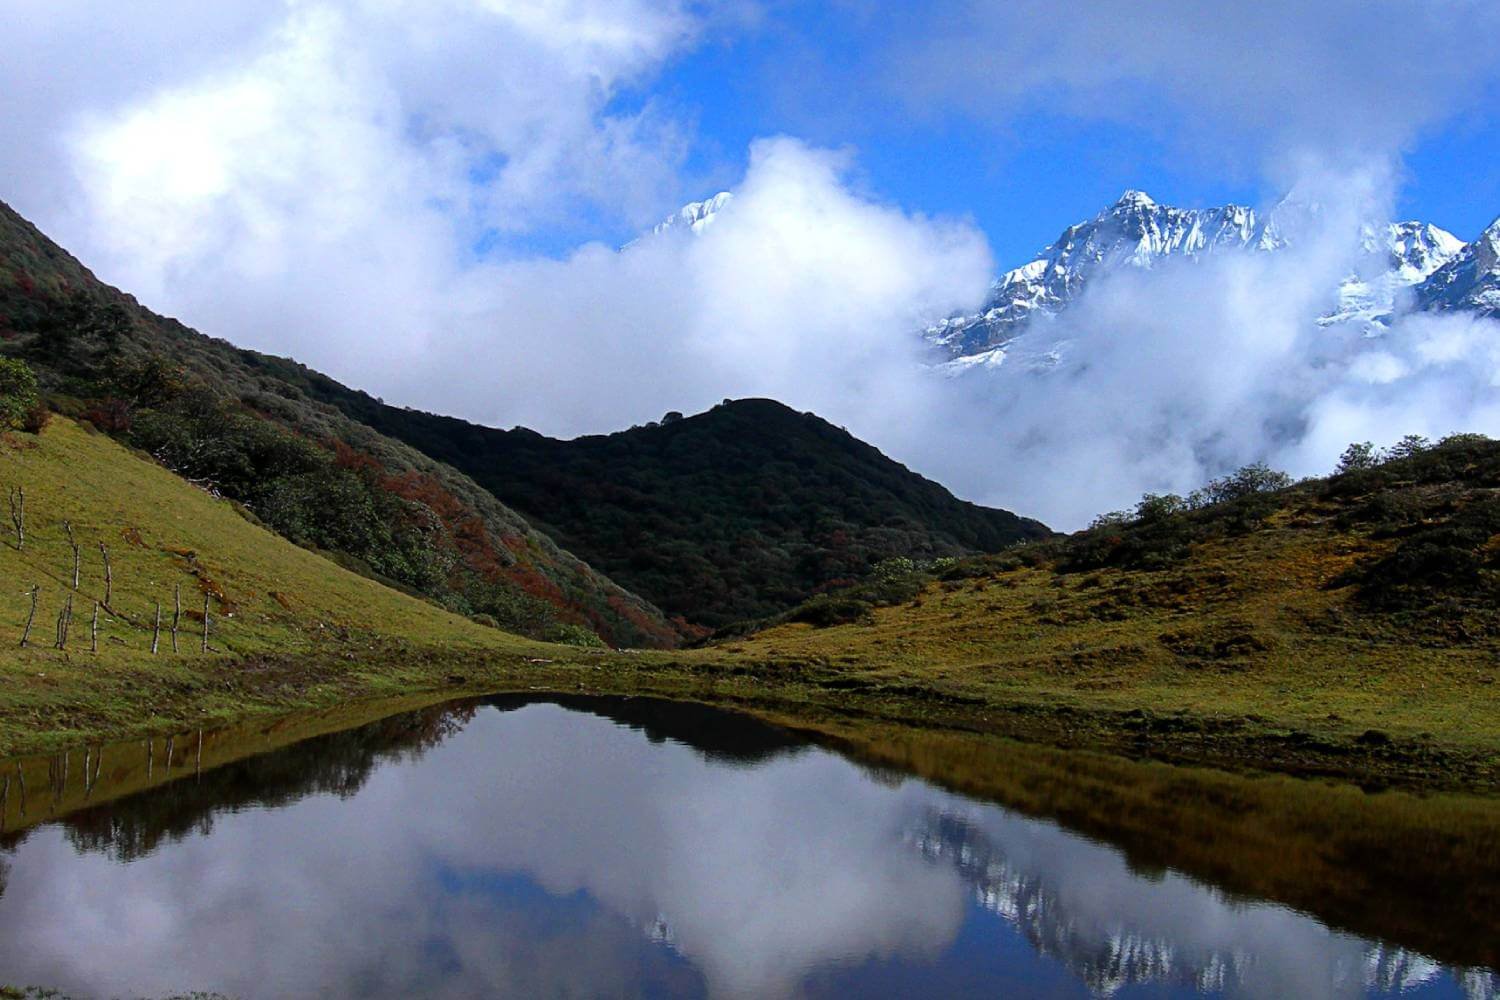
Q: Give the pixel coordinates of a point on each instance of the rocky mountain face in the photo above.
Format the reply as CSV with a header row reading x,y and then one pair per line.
x,y
1469,280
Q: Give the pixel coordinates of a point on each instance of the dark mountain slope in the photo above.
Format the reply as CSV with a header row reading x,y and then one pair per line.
x,y
736,513
221,417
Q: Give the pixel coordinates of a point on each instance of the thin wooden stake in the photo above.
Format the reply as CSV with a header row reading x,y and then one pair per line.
x,y
26,635
109,582
65,620
73,542
176,612
18,514
94,631
156,631
205,623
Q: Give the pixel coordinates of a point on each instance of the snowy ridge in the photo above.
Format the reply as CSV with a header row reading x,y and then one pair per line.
x,y
1138,232
695,216
1397,258
1469,281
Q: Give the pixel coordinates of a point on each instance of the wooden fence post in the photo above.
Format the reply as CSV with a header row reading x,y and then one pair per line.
x,y
18,514
94,631
26,635
156,631
73,542
64,619
109,582
176,612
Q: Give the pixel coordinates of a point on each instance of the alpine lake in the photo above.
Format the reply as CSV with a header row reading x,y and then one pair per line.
x,y
535,845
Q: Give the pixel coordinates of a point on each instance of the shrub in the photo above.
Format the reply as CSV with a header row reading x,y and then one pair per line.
x,y
36,418
831,609
569,634
18,395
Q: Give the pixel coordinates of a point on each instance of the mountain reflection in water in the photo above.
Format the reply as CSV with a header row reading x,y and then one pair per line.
x,y
591,846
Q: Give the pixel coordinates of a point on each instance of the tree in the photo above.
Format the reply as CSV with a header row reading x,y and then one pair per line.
x,y
18,395
1246,481
1359,455
1156,506
1409,446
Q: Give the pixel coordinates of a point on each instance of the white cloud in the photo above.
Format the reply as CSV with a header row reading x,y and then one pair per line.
x,y
801,289
1180,373
311,178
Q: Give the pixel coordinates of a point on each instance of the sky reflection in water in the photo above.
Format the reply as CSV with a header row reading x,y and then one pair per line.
x,y
542,851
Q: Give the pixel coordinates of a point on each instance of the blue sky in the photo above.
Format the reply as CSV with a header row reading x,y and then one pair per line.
x,y
805,73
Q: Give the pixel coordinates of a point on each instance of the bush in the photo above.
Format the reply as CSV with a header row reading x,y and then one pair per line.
x,y
832,609
37,418
569,634
18,395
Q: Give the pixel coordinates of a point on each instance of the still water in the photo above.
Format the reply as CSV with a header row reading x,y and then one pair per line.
x,y
614,847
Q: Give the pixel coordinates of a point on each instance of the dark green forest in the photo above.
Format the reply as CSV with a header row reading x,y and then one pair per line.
x,y
729,515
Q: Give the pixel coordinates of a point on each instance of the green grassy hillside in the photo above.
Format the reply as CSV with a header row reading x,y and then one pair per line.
x,y
1350,615
219,415
265,593
268,599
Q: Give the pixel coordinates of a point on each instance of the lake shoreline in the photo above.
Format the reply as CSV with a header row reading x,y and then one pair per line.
x,y
1254,836
53,703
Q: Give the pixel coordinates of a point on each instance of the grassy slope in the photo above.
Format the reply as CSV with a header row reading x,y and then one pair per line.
x,y
268,598
1251,636
36,273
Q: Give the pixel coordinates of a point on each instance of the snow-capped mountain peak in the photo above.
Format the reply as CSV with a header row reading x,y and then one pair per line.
x,y
1136,231
1134,198
695,216
1139,232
